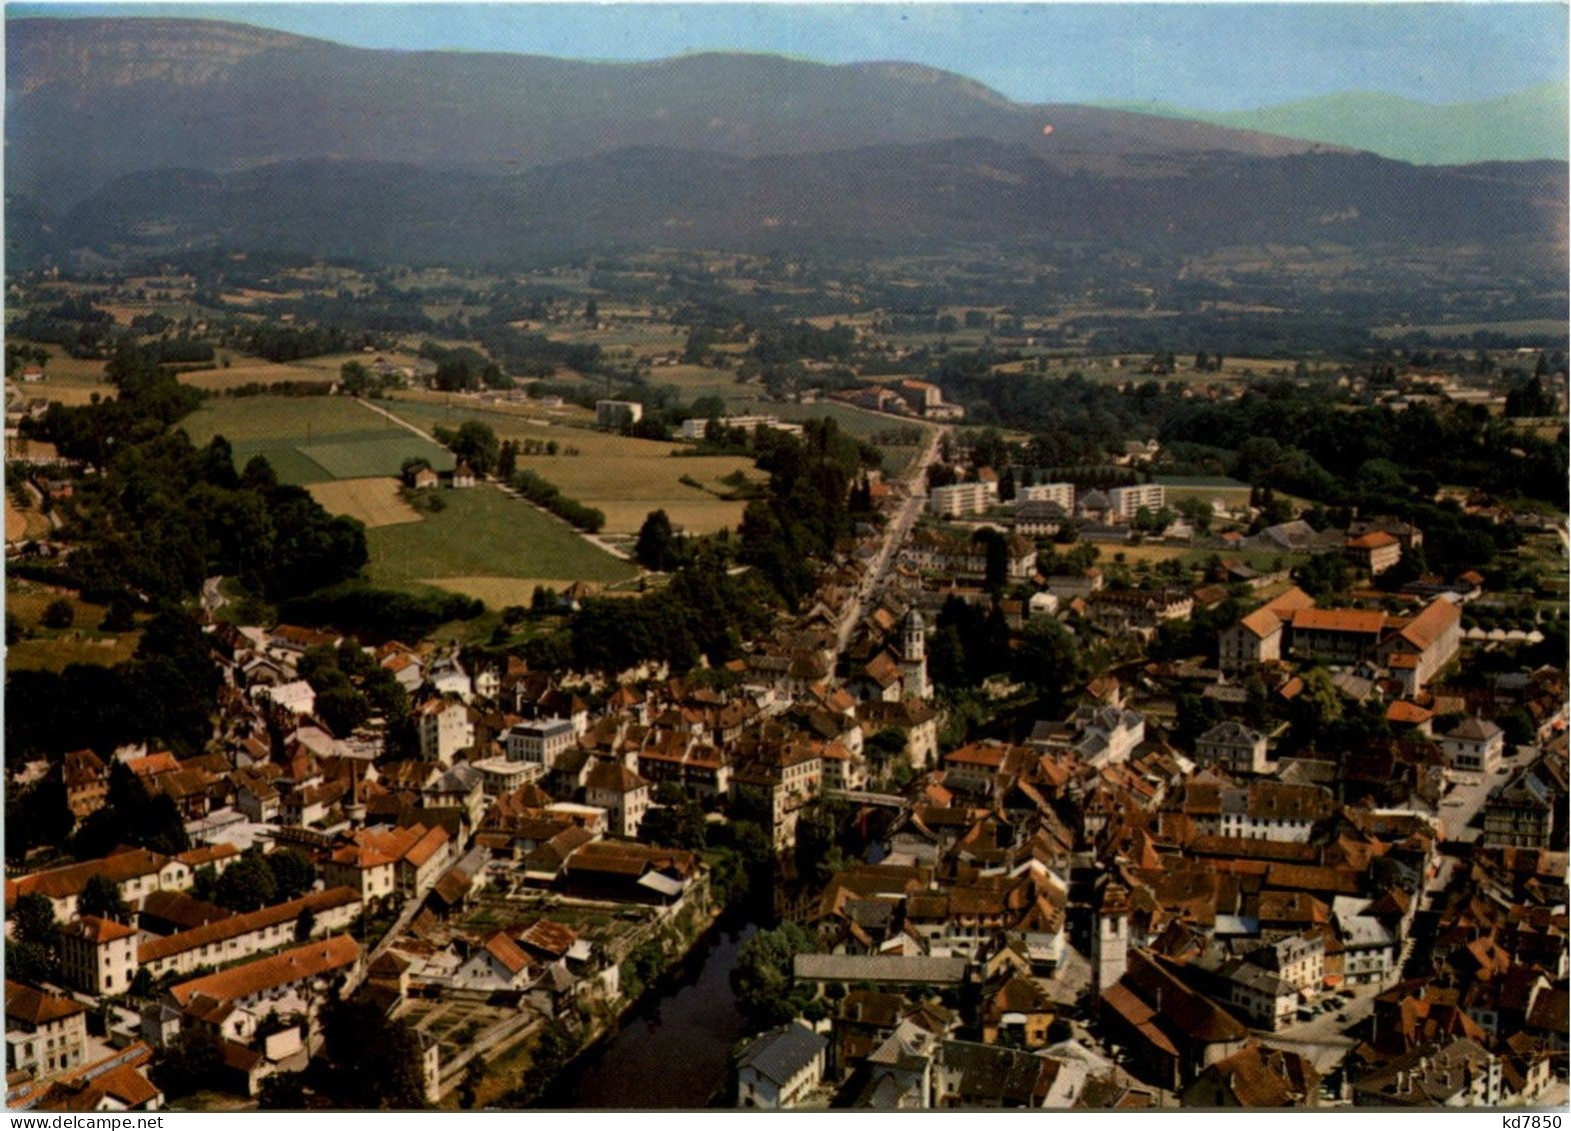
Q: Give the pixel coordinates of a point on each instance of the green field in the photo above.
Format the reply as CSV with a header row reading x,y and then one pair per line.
x,y
480,536
622,476
311,439
855,422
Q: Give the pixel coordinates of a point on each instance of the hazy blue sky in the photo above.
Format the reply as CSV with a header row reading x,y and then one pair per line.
x,y
1210,56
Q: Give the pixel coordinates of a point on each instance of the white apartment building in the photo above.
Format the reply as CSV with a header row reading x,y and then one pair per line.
x,y
958,499
1061,493
1127,501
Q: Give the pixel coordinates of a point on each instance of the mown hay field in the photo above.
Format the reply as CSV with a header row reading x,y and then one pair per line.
x,y
374,501
251,371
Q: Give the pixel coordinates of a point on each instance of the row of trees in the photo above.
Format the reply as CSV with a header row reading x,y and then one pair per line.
x,y
538,490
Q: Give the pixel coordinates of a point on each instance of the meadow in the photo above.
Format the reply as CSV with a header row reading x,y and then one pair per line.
x,y
489,546
311,439
53,649
67,379
622,476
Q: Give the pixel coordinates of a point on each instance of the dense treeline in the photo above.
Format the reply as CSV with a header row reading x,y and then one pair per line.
x,y
290,343
1290,438
778,343
704,612
164,693
167,514
1279,434
539,491
374,614
808,508
149,401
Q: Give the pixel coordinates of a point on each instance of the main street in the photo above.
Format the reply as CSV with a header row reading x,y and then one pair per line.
x,y
895,532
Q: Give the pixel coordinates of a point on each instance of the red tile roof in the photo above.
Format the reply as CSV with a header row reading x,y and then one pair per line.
x,y
297,964
35,1007
99,931
1369,621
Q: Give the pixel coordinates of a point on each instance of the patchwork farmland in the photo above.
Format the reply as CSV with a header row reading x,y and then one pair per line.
x,y
312,439
624,477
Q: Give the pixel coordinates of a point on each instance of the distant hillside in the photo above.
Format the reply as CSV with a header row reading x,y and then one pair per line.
x,y
878,199
138,136
89,100
1530,125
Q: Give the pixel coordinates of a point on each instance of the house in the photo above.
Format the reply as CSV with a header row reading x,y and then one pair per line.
x,y
1127,502
969,1076
1474,746
778,1070
958,499
449,680
1258,637
1018,1012
1062,494
1273,811
296,697
787,776
1039,519
541,741
1171,1033
241,936
1408,536
421,854
45,1034
425,479
1456,1073
117,1083
86,782
1336,636
1521,814
301,970
462,787
1067,586
1231,744
98,955
621,793
1369,941
1374,552
445,727
463,475
629,872
1256,1077
136,872
1417,650
500,964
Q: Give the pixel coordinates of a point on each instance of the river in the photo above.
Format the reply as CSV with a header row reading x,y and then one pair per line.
x,y
674,1050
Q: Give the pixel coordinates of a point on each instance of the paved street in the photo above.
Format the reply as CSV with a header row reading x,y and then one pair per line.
x,y
894,536
1324,1039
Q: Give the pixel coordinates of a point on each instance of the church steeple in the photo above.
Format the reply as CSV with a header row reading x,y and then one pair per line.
x,y
913,642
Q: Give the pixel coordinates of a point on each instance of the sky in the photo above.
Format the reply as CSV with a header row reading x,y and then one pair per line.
x,y
1202,56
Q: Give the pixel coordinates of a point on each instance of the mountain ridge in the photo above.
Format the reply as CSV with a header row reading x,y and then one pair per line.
x,y
201,92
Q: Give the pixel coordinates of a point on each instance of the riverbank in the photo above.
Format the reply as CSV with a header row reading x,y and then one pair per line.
x,y
671,1047
686,941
